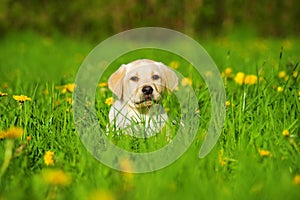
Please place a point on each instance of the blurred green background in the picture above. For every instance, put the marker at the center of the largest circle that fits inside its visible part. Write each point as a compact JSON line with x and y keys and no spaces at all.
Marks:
{"x":43,"y":43}
{"x":96,"y":20}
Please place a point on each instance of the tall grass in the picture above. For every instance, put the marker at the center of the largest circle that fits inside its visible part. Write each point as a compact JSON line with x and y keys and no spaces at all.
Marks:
{"x":253,"y":159}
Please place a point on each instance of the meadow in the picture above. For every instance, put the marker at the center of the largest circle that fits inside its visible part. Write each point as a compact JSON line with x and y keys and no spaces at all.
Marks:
{"x":256,"y":157}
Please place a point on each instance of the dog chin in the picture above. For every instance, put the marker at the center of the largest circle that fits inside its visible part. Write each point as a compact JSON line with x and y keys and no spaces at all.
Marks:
{"x":145,"y":104}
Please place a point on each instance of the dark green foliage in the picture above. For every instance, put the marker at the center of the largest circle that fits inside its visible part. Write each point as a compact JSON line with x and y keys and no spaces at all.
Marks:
{"x":98,"y":19}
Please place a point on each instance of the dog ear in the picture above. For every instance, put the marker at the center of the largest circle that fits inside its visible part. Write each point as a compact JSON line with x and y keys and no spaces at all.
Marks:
{"x":171,"y":79}
{"x":115,"y":81}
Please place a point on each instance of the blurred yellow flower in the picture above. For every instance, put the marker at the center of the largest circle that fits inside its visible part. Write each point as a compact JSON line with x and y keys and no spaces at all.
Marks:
{"x":264,"y":153}
{"x":282,"y":74}
{"x":285,"y":133}
{"x":28,"y":138}
{"x":186,"y":81}
{"x":279,"y":89}
{"x":3,"y":94}
{"x":297,"y":179}
{"x":127,"y":168}
{"x":109,"y":101}
{"x":12,"y":133}
{"x":69,"y":100}
{"x":66,"y":88}
{"x":239,"y":78}
{"x":250,"y":79}
{"x":126,"y":165}
{"x":48,"y":158}
{"x":228,"y":72}
{"x":286,"y":78}
{"x":103,"y":84}
{"x":45,"y":91}
{"x":227,"y":103}
{"x":21,"y":98}
{"x":56,"y":177}
{"x":295,"y":74}
{"x":102,"y":195}
{"x":174,"y":64}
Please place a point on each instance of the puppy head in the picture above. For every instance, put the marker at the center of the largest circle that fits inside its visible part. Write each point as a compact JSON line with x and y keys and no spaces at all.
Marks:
{"x":141,"y":82}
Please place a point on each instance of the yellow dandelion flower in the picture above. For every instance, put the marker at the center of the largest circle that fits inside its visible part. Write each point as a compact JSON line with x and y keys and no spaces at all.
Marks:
{"x":174,"y":64}
{"x":250,"y":79}
{"x":279,"y":89}
{"x":227,"y":103}
{"x":103,"y":84}
{"x":3,"y":94}
{"x":296,"y":179}
{"x":66,"y":88}
{"x":228,"y":72}
{"x":167,"y":110}
{"x":69,"y":100}
{"x":264,"y":153}
{"x":70,"y":87}
{"x":12,"y":133}
{"x":48,"y":158}
{"x":21,"y":98}
{"x":285,"y":133}
{"x":101,"y":194}
{"x":186,"y":81}
{"x":295,"y":74}
{"x":109,"y":101}
{"x":56,"y":177}
{"x":63,"y":90}
{"x":239,"y":78}
{"x":282,"y":74}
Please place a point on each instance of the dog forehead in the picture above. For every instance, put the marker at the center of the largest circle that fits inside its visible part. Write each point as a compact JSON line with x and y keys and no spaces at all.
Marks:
{"x":142,"y":66}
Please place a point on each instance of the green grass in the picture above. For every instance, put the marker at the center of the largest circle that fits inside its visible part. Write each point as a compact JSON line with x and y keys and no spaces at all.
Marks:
{"x":34,"y":66}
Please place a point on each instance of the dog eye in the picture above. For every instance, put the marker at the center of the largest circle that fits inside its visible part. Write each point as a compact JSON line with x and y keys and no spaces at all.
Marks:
{"x":155,"y":77}
{"x":134,"y":78}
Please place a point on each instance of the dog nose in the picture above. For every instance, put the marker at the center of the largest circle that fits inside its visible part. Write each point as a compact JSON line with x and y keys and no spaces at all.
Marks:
{"x":147,"y":90}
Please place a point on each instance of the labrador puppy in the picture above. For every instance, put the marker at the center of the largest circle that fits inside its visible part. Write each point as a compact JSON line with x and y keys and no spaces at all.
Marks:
{"x":139,"y":86}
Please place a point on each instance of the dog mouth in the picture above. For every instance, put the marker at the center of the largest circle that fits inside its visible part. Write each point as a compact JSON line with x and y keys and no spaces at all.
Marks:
{"x":147,"y":100}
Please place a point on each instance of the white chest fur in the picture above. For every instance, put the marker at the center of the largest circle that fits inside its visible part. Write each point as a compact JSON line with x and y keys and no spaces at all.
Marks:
{"x":138,"y":124}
